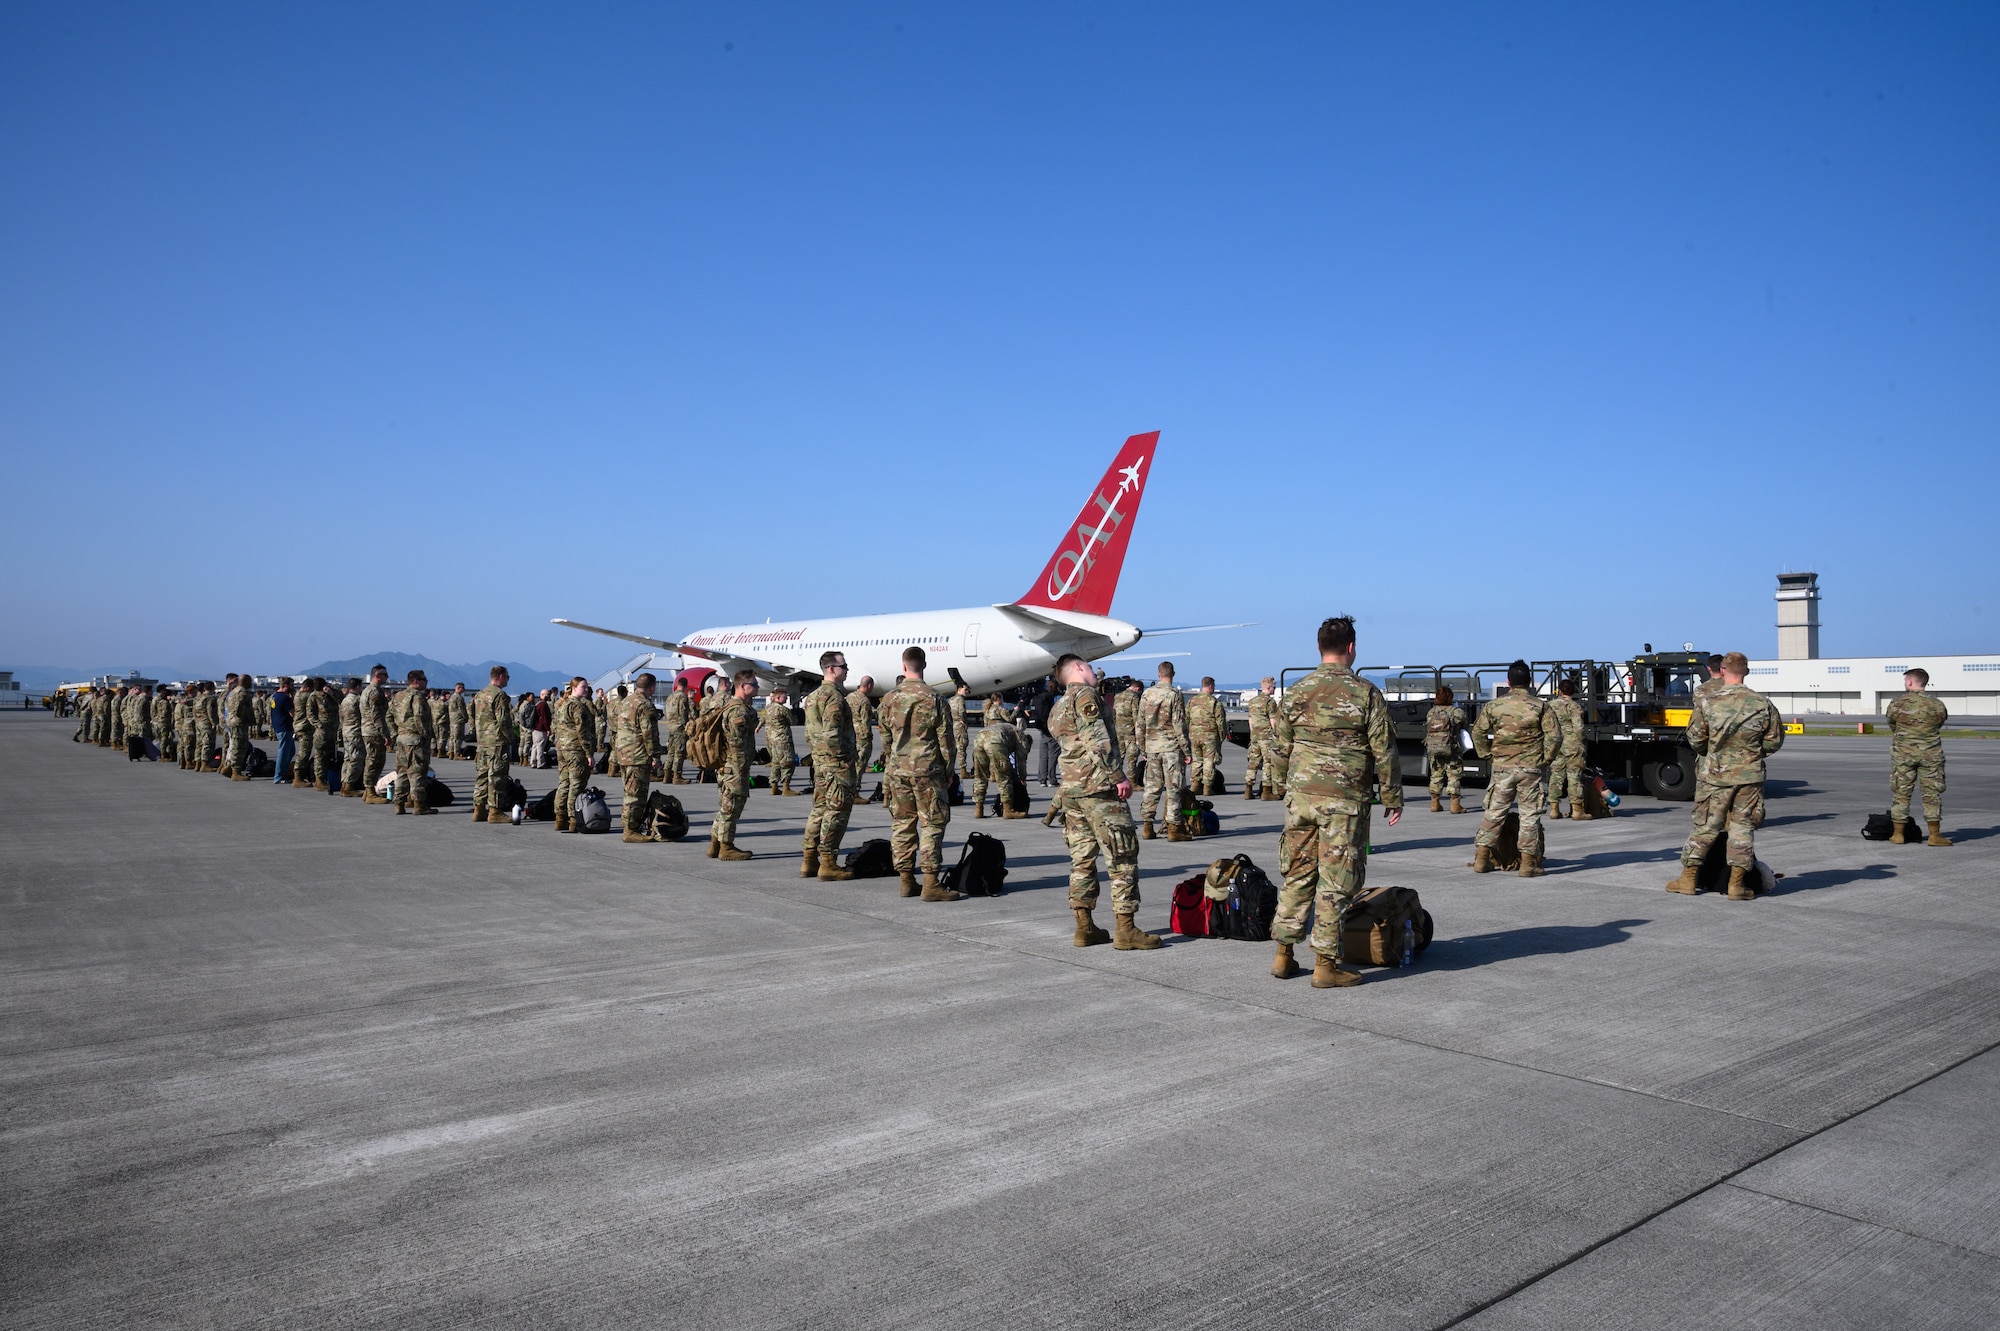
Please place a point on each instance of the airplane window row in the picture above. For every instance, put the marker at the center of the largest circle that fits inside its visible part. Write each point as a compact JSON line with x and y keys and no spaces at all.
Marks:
{"x":876,"y":642}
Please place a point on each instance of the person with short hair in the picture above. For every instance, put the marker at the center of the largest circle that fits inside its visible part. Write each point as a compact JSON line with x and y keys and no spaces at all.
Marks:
{"x":458,"y":711}
{"x":860,"y":704}
{"x":830,"y":741}
{"x":282,"y":729}
{"x":1097,"y":815}
{"x":1207,"y":727}
{"x":1125,"y":721}
{"x":1264,"y":765}
{"x":1566,"y":769}
{"x":732,"y":779}
{"x":961,"y":757}
{"x":679,"y":709}
{"x":574,"y":726}
{"x":1334,"y":730}
{"x":353,"y":747}
{"x":916,"y":752}
{"x":493,"y":740}
{"x":1444,"y":748}
{"x":1519,"y":735}
{"x":1733,"y":730}
{"x":241,"y":714}
{"x":992,"y":761}
{"x":1163,"y":738}
{"x":637,"y":755}
{"x":1916,"y":753}
{"x":374,"y":732}
{"x":778,"y":742}
{"x":410,"y":713}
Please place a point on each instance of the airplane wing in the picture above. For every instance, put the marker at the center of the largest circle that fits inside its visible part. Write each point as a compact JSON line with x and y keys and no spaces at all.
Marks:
{"x":1195,"y":628}
{"x":765,"y":669}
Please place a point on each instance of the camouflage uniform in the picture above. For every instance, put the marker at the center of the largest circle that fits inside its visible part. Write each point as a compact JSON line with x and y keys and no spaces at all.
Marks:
{"x":732,"y":779}
{"x":830,"y":740}
{"x":117,"y":714}
{"x":163,"y":724}
{"x":1916,"y":751}
{"x":573,"y":724}
{"x":1163,"y":738}
{"x":991,"y":757}
{"x":960,"y":756}
{"x":1519,"y":734}
{"x":207,"y":720}
{"x":241,"y":717}
{"x":493,"y":739}
{"x":184,"y":711}
{"x":1733,"y":729}
{"x":1333,"y":728}
{"x":410,"y":714}
{"x":374,"y":735}
{"x":863,"y":711}
{"x":1702,"y":690}
{"x":1267,"y":756}
{"x":1095,"y":820}
{"x":614,"y":707}
{"x":1566,"y":771}
{"x":263,"y":714}
{"x":674,"y":718}
{"x":137,"y":713}
{"x":777,"y":725}
{"x":916,"y":743}
{"x":1125,"y":721}
{"x":84,"y":716}
{"x":440,"y":725}
{"x":1444,"y":746}
{"x":305,"y":735}
{"x":638,"y":744}
{"x":456,"y":715}
{"x":353,"y":777}
{"x":1207,"y":727}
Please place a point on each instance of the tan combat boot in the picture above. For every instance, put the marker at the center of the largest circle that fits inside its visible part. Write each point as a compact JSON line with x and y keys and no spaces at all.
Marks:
{"x":907,"y":882}
{"x":1011,"y":812}
{"x":320,"y":785}
{"x":563,"y":823}
{"x":1087,"y":932}
{"x":402,"y":807}
{"x":933,"y":891}
{"x":628,"y":835}
{"x":1246,"y":793}
{"x":1436,"y":807}
{"x":1531,"y":866}
{"x":809,"y":864}
{"x":979,"y":810}
{"x":1896,"y":838}
{"x":831,"y":872}
{"x":1578,"y":815}
{"x":1287,"y":965}
{"x":1127,"y":936}
{"x":1146,"y":832}
{"x":239,"y":776}
{"x":713,"y":846}
{"x":1938,"y":838}
{"x":729,"y":850}
{"x":371,"y":797}
{"x":1456,"y":807}
{"x":478,"y":811}
{"x":1271,"y":793}
{"x":423,"y":808}
{"x":1739,"y":890}
{"x":1555,"y":809}
{"x":1327,"y":974}
{"x":1482,"y":859}
{"x":1177,"y":831}
{"x":1685,"y":884}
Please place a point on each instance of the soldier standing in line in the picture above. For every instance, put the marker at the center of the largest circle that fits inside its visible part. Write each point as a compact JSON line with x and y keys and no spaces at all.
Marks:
{"x":326,"y":735}
{"x":527,"y":746}
{"x":1916,"y":752}
{"x":109,"y":728}
{"x":118,"y":700}
{"x":961,"y":757}
{"x":263,"y":704}
{"x":1733,"y":729}
{"x":410,"y":713}
{"x":184,"y":725}
{"x":991,"y":761}
{"x":637,"y":754}
{"x":600,"y":712}
{"x":163,"y":722}
{"x":493,"y":740}
{"x":456,"y":714}
{"x":916,"y":751}
{"x":207,"y":724}
{"x":225,"y":700}
{"x":374,"y":732}
{"x":1566,"y":773}
{"x":860,"y":704}
{"x":242,"y":719}
{"x":305,"y":735}
{"x":614,"y":709}
{"x":1334,"y":729}
{"x":1264,"y":760}
{"x":1519,"y":734}
{"x":778,"y":740}
{"x":1125,"y":721}
{"x":1163,"y":738}
{"x":830,"y":740}
{"x":1702,"y":690}
{"x":354,"y":749}
{"x":440,"y":723}
{"x":1444,"y":747}
{"x":732,"y":779}
{"x":84,"y":734}
{"x":136,"y":712}
{"x":574,"y":727}
{"x":674,"y":717}
{"x":1097,"y":818}
{"x":1208,"y":726}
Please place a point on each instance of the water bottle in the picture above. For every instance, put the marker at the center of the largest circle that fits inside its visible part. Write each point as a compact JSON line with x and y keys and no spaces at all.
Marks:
{"x":1409,"y":944}
{"x":517,"y":815}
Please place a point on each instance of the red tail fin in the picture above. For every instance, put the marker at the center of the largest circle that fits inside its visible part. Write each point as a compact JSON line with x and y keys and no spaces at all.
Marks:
{"x":1083,"y":573}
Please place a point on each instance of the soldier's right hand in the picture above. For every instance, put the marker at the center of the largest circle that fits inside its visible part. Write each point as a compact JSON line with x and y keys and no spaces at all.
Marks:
{"x":1124,"y":789}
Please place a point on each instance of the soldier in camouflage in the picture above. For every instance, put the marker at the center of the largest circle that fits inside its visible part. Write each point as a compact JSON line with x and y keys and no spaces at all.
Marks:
{"x":305,"y":735}
{"x":374,"y":732}
{"x":162,"y":722}
{"x":440,"y":723}
{"x":1097,"y":818}
{"x":239,"y":713}
{"x":117,"y":715}
{"x":992,"y":760}
{"x":916,"y":751}
{"x":961,"y":755}
{"x":777,"y":727}
{"x":184,"y":726}
{"x":1266,"y":759}
{"x":1733,"y":730}
{"x":860,"y":704}
{"x":458,"y":712}
{"x":732,"y":779}
{"x":637,"y":753}
{"x":1566,"y":771}
{"x":1208,"y":727}
{"x":136,"y":710}
{"x":353,"y":776}
{"x":674,"y":718}
{"x":573,"y":725}
{"x":1163,"y":737}
{"x":1702,"y":690}
{"x":493,"y":744}
{"x":1444,"y":748}
{"x":1916,"y":753}
{"x":1519,"y":735}
{"x":1125,"y":724}
{"x":830,"y":741}
{"x":207,"y":724}
{"x":410,"y":716}
{"x":1333,"y":729}
{"x":326,"y":715}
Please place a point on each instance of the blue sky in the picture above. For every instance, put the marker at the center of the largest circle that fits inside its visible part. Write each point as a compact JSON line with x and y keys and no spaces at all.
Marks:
{"x":1536,"y":330}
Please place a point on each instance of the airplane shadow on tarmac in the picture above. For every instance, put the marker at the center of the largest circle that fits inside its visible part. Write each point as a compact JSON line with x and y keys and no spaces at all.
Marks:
{"x":1542,"y":940}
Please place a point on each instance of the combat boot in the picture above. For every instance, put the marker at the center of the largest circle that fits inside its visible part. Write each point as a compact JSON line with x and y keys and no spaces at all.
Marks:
{"x":1013,"y":813}
{"x":1531,"y":866}
{"x":1482,"y":859}
{"x":1555,"y":810}
{"x":714,"y":846}
{"x":907,"y":882}
{"x":1273,"y":793}
{"x":1146,"y":832}
{"x":728,"y":850}
{"x":298,"y":783}
{"x":1435,"y":806}
{"x":1579,"y":816}
{"x":1456,"y":807}
{"x":1740,"y":890}
{"x":372,"y":797}
{"x":1087,"y":932}
{"x":1329,"y":974}
{"x":239,"y":776}
{"x":1287,"y":965}
{"x":1127,"y":936}
{"x":563,"y":821}
{"x":934,"y":891}
{"x":678,"y":780}
{"x":1685,"y":884}
{"x":1177,"y":831}
{"x":1246,"y":793}
{"x":1896,"y":838}
{"x":401,"y":808}
{"x":980,"y":810}
{"x":809,"y":864}
{"x":629,"y":835}
{"x":831,"y":872}
{"x":423,"y":808}
{"x":1938,"y":838}
{"x":478,"y":811}
{"x":225,"y":769}
{"x":320,"y":785}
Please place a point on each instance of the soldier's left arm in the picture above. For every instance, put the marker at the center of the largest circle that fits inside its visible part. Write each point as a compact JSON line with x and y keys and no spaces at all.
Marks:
{"x":1388,"y":758}
{"x":1697,"y":729}
{"x":1281,"y":728}
{"x":1774,"y":729}
{"x":1552,"y":735}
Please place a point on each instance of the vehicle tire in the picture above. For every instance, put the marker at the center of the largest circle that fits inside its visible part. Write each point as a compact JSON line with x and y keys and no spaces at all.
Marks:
{"x":1671,"y":779}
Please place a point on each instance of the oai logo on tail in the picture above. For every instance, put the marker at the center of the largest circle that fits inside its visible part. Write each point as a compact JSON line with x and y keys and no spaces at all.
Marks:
{"x":1082,"y":575}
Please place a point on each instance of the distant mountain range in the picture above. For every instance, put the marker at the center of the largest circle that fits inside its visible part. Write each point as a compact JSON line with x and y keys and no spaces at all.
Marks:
{"x":441,"y":676}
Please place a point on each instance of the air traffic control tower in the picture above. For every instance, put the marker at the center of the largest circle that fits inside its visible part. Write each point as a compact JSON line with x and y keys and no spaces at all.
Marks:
{"x":1798,"y":616}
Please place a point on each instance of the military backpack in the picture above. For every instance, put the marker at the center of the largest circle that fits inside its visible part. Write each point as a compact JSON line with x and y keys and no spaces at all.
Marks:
{"x":706,"y":744}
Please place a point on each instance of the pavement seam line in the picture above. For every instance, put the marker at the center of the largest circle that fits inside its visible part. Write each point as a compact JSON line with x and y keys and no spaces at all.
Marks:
{"x":1861,"y":1220}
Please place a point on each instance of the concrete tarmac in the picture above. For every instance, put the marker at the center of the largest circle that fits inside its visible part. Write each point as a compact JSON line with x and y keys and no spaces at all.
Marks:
{"x":274,"y":1058}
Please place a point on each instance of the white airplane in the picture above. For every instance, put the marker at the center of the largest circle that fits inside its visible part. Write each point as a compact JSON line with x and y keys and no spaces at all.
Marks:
{"x":989,"y":647}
